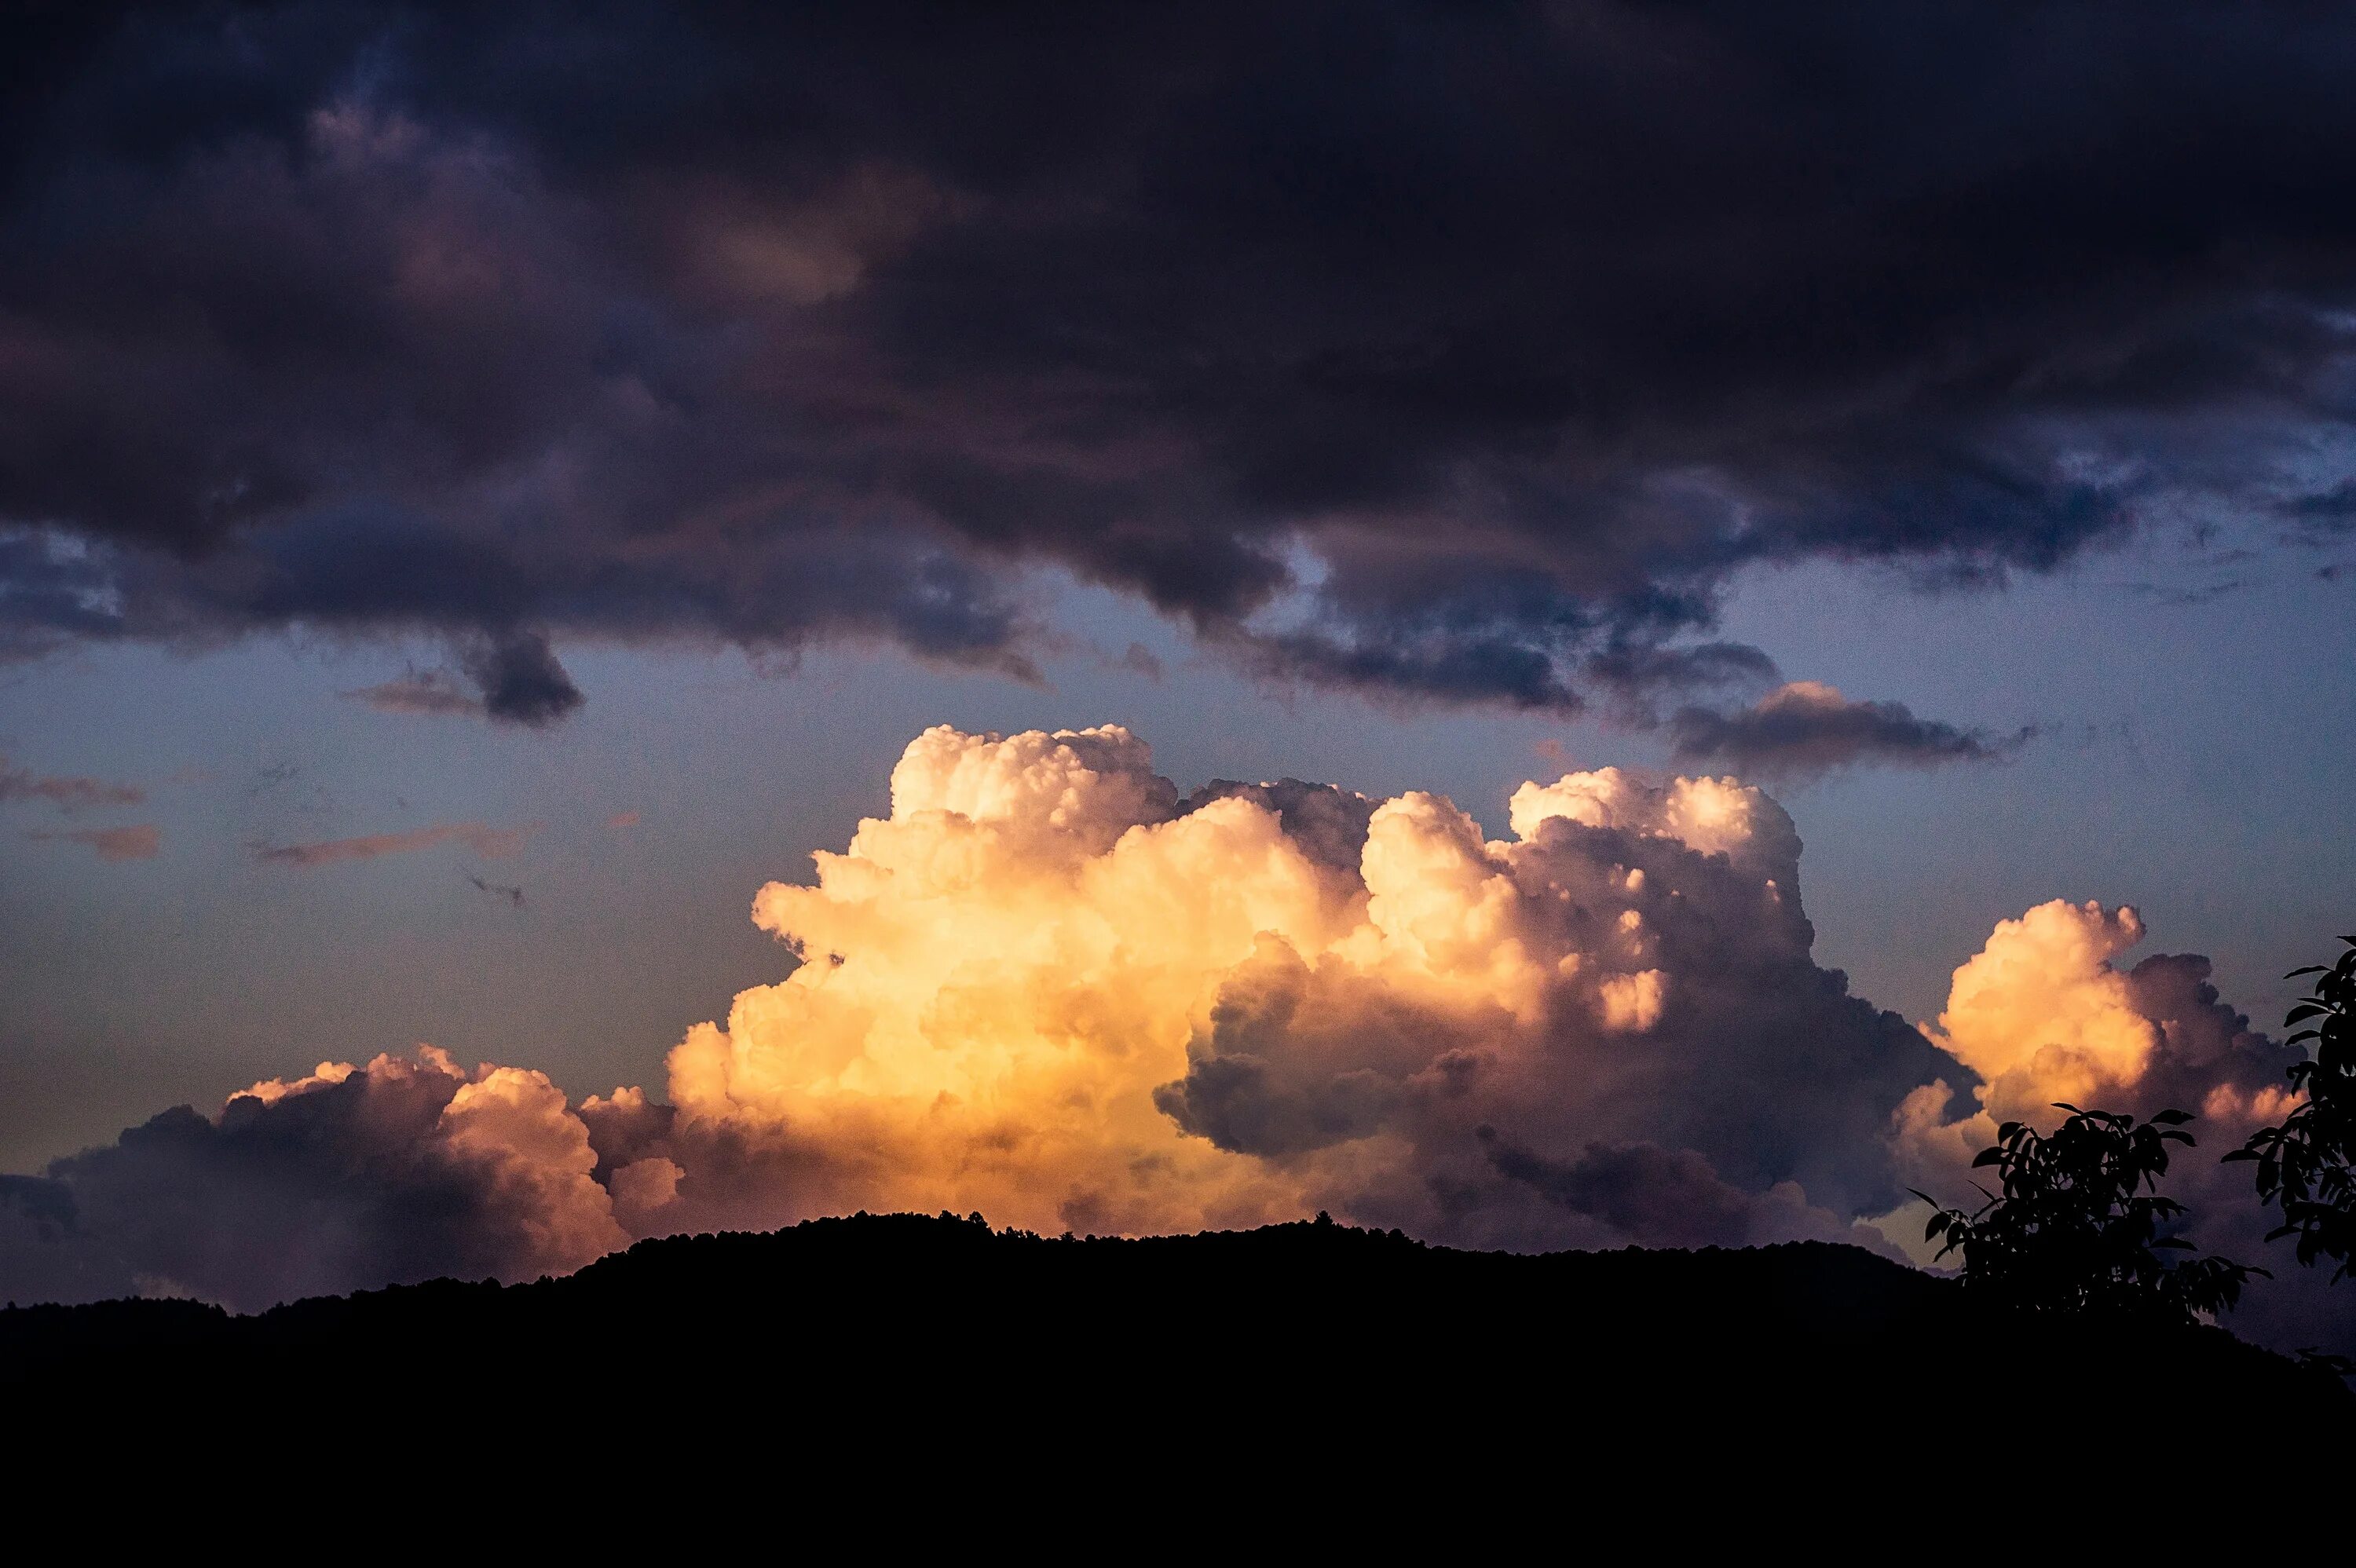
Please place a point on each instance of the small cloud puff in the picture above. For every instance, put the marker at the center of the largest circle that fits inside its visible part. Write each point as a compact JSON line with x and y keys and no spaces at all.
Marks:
{"x":514,"y":677}
{"x":1805,"y":729}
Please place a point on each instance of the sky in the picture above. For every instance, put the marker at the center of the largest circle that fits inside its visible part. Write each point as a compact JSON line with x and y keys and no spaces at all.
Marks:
{"x":485,"y":497}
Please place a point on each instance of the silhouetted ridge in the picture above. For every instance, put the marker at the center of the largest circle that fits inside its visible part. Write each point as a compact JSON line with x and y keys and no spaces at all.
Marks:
{"x":848,"y":1336}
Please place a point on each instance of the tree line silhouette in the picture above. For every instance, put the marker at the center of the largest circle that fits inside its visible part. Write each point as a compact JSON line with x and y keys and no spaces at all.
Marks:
{"x":2078,"y":1224}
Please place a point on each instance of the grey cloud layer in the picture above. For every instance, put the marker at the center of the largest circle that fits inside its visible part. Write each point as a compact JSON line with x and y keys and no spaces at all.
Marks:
{"x":1526,"y":325}
{"x":386,"y":1175}
{"x":1805,"y":729}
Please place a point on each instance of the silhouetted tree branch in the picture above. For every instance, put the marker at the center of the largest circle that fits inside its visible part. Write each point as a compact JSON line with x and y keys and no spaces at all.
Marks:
{"x":2304,"y":1164}
{"x":2079,"y":1224}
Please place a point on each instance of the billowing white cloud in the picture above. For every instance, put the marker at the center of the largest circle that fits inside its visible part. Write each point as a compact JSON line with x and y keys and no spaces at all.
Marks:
{"x":1049,"y":987}
{"x":1046,"y":988}
{"x":2041,"y":1014}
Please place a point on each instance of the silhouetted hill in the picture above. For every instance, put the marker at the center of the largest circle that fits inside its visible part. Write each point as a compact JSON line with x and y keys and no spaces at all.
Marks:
{"x":932,"y":1343}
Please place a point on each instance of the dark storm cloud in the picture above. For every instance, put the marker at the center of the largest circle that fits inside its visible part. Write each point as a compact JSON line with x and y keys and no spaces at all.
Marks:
{"x":2334,"y":508}
{"x":1248,"y":1105}
{"x":1665,"y":1197}
{"x":1806,"y":728}
{"x":45,"y":1253}
{"x":1640,"y":674}
{"x":1456,"y":354}
{"x":521,"y":681}
{"x":1659,"y":1196}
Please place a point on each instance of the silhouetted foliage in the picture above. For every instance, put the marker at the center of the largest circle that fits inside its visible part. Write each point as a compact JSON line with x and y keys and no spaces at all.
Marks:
{"x":2327,"y":1363}
{"x":2303,"y":1165}
{"x":2080,"y":1224}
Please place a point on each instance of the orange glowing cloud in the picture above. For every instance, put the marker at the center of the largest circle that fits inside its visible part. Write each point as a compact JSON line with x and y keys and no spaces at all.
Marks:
{"x":1047,"y":988}
{"x":2041,"y":1016}
{"x":68,"y":794}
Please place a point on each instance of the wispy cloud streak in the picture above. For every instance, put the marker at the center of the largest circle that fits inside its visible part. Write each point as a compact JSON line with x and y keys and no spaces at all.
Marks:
{"x":140,"y":843}
{"x":490,"y":843}
{"x":67,"y":795}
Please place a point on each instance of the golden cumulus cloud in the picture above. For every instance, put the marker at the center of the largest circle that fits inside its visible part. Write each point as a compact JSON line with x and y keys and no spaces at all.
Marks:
{"x":1047,"y":986}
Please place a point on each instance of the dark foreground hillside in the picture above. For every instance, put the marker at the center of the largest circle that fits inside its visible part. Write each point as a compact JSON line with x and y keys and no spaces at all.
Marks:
{"x":933,"y":1348}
